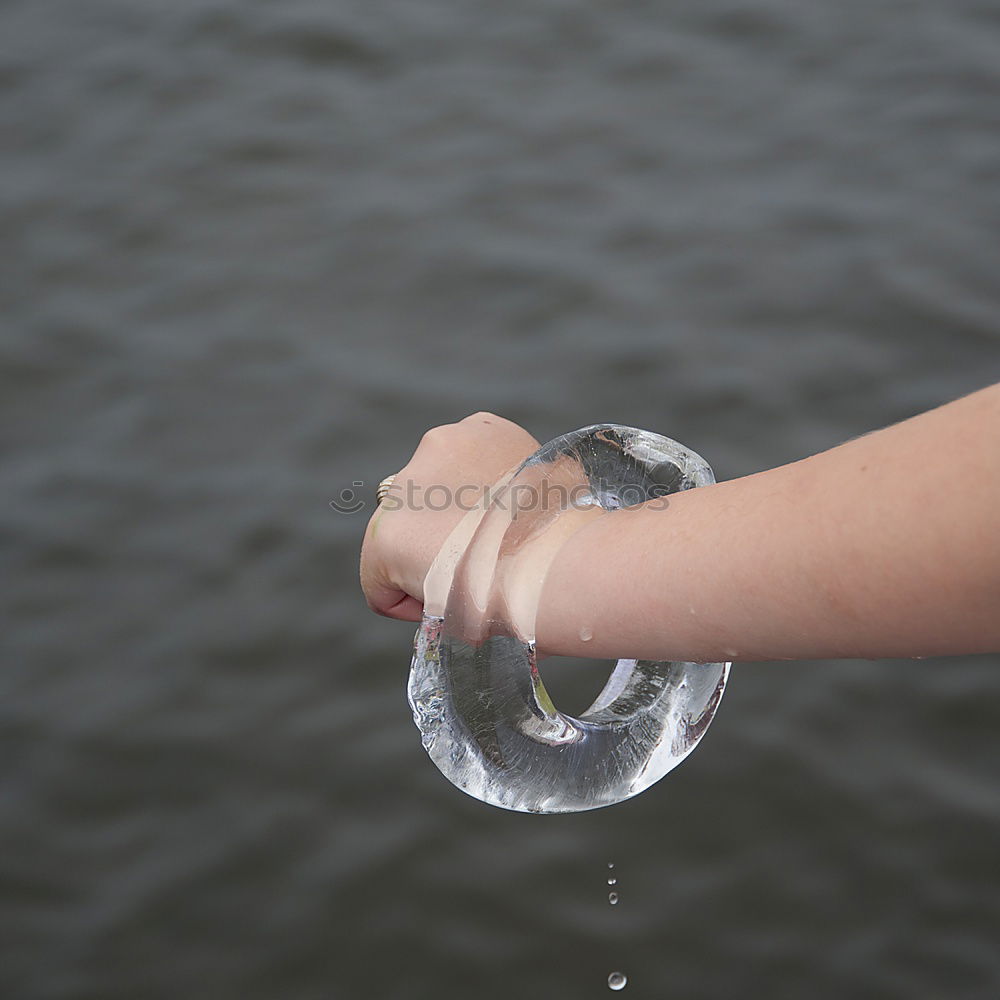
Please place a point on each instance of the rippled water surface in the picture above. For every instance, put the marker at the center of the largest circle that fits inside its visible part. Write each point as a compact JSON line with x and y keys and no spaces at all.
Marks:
{"x":250,"y":251}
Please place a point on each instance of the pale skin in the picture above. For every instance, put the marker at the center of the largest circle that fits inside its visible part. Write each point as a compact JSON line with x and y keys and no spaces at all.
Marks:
{"x":885,"y":546}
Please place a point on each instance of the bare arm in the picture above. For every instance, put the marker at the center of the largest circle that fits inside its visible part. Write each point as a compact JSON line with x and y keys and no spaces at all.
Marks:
{"x":888,"y":545}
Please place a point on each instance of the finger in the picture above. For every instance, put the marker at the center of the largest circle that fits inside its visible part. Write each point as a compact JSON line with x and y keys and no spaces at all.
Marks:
{"x":389,"y":601}
{"x":407,"y":609}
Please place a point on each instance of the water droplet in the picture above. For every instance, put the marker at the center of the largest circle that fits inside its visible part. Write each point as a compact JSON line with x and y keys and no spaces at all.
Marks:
{"x":611,"y":864}
{"x":617,"y":981}
{"x":613,"y":898}
{"x":612,"y":881}
{"x":586,"y":633}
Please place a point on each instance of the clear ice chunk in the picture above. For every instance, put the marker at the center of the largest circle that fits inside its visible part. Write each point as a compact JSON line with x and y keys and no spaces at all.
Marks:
{"x":478,"y":700}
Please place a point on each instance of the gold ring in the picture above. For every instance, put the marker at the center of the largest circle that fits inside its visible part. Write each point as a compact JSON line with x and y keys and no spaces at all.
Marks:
{"x":383,"y":488}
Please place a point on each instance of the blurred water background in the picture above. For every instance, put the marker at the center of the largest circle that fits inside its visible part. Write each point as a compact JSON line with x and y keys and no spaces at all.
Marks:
{"x":251,"y":250}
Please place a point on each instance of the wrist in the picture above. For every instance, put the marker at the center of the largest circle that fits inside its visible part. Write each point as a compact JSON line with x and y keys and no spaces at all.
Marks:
{"x":522,"y":573}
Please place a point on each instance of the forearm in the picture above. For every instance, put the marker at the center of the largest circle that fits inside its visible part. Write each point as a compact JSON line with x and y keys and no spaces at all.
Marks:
{"x":888,"y":545}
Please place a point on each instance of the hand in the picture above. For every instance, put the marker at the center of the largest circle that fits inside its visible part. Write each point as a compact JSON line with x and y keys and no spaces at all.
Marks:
{"x":408,"y":528}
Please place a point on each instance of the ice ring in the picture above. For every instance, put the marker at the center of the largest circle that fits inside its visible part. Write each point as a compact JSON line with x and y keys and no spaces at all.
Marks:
{"x":478,"y":700}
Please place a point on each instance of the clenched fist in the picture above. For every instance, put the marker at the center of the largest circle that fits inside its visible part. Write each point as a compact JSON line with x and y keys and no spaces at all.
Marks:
{"x":445,"y":478}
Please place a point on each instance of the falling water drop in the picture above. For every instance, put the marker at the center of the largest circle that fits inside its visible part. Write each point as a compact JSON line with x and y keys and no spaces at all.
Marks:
{"x":612,"y":881}
{"x":611,"y":864}
{"x":613,"y":898}
{"x":617,"y":981}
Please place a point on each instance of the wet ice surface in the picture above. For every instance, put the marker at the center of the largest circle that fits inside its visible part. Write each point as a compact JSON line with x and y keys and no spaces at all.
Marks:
{"x":477,"y":697}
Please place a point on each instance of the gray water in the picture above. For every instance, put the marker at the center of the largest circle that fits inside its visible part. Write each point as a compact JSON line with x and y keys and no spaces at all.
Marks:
{"x":250,"y":252}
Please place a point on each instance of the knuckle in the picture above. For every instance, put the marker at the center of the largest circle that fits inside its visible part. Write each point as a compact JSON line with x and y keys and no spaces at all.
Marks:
{"x":480,"y":416}
{"x":435,"y":434}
